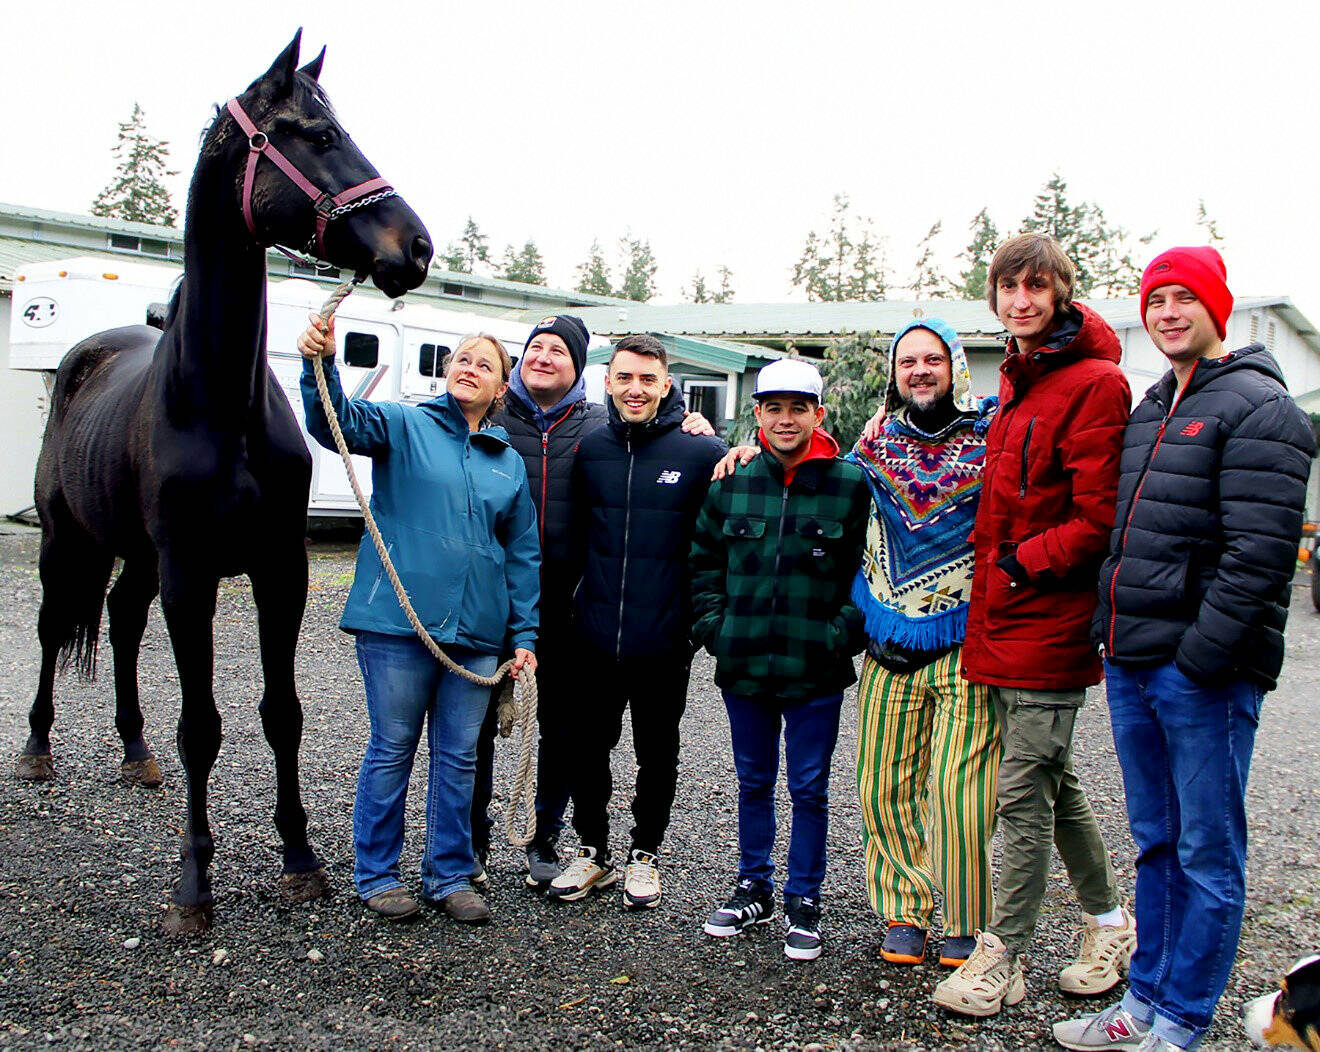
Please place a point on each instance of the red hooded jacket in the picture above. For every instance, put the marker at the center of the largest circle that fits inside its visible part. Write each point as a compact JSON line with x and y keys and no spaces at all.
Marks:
{"x":1047,"y":508}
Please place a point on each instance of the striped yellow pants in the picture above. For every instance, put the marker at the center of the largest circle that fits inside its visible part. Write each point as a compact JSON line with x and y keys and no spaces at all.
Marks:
{"x":928,"y":753}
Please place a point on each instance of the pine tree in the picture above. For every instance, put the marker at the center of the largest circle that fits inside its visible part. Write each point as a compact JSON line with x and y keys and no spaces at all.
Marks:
{"x":1098,"y":250}
{"x":594,"y":274}
{"x":928,"y":282}
{"x":847,"y":264}
{"x":1209,"y":225}
{"x":639,"y":270}
{"x":138,"y":193}
{"x":700,"y":292}
{"x":471,"y":248}
{"x":978,"y":253}
{"x":526,"y":265}
{"x":855,"y":370}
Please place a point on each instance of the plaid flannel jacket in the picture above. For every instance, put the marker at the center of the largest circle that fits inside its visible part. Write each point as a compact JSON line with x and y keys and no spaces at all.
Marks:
{"x":772,"y":571}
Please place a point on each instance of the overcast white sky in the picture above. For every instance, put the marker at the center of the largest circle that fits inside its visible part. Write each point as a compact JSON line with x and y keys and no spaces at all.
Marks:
{"x":720,"y":131}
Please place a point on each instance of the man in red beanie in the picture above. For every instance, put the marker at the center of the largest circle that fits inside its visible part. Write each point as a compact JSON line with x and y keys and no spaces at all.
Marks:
{"x":1193,"y":599}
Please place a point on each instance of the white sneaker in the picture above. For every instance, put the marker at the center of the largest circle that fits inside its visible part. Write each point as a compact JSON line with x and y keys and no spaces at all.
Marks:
{"x":583,"y":875}
{"x":1106,"y":951}
{"x":641,"y":881}
{"x":989,"y":979}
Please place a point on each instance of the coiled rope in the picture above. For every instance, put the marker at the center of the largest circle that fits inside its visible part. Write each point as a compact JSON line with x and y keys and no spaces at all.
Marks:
{"x":522,"y":792}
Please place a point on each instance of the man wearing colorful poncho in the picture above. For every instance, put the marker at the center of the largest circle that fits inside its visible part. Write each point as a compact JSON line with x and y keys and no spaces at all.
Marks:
{"x":928,"y":745}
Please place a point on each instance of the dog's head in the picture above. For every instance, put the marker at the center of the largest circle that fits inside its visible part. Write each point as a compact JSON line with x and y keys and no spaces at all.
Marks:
{"x":1290,"y":1018}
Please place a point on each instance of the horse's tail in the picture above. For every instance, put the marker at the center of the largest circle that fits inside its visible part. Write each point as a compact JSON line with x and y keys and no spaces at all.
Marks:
{"x":75,"y":572}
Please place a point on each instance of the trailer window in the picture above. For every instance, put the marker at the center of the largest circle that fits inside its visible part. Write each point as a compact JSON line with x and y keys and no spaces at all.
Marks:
{"x":361,"y":349}
{"x":430,"y":359}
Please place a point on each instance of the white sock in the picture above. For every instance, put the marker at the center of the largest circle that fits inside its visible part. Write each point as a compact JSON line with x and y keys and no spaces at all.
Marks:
{"x":1113,"y":919}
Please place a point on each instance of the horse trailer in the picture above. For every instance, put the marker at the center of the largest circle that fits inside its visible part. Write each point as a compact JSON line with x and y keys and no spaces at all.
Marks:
{"x":385,"y":350}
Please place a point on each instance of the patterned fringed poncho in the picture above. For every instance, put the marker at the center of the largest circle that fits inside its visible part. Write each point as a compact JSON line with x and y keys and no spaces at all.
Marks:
{"x":916,"y":575}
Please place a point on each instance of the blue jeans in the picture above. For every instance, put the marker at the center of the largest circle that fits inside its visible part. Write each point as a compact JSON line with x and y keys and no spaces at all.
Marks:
{"x":810,"y":730}
{"x":1185,"y":750}
{"x":405,"y":686}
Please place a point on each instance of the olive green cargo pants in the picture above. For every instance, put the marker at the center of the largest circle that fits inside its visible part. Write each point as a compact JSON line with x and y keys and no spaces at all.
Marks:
{"x":1041,"y":803}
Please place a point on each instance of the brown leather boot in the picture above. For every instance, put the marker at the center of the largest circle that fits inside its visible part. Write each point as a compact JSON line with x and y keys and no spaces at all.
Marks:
{"x":466,"y":907}
{"x":395,"y":904}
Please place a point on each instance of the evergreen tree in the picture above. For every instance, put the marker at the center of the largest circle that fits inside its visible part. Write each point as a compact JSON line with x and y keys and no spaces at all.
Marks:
{"x":1098,"y":250}
{"x":929,"y":282}
{"x":978,"y":253}
{"x":855,"y":370}
{"x":138,"y":192}
{"x":639,"y":270}
{"x":594,"y":274}
{"x":526,"y":265}
{"x":847,"y":264}
{"x":700,"y":292}
{"x":471,"y":248}
{"x":1211,"y":228}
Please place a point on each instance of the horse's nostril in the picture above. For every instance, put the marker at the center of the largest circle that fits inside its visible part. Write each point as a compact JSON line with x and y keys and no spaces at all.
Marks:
{"x":421,"y":251}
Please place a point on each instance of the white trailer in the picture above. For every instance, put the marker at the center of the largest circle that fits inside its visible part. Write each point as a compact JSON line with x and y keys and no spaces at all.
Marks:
{"x":386,"y":351}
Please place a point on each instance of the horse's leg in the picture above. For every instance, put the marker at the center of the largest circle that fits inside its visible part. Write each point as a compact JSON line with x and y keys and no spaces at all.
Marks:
{"x":279,"y":588}
{"x":74,"y":573}
{"x":130,"y":600}
{"x":188,"y":598}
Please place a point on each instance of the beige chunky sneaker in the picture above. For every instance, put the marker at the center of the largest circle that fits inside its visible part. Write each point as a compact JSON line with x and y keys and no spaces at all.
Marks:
{"x":1106,"y":951}
{"x":989,"y":979}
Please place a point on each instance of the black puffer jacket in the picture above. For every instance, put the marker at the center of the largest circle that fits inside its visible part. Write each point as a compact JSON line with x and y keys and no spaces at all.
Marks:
{"x":1209,"y":514}
{"x":636,"y":494}
{"x":549,"y":458}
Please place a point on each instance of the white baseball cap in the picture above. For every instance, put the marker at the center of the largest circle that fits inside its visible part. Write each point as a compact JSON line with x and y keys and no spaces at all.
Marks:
{"x":789,"y":376}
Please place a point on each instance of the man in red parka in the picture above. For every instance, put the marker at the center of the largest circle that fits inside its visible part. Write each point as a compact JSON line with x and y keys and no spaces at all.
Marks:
{"x":1047,"y":506}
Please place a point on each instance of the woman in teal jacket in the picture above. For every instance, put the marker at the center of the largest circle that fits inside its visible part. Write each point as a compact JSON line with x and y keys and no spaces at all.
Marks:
{"x":450,"y":497}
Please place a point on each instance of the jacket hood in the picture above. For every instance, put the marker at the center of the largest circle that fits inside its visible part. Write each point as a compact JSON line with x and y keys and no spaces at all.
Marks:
{"x":1082,"y":333}
{"x":1251,"y":358}
{"x":544,"y":417}
{"x":669,"y":415}
{"x":446,"y":412}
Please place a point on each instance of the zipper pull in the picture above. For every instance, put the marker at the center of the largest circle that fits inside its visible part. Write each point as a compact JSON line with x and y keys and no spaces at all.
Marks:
{"x":545,"y":440}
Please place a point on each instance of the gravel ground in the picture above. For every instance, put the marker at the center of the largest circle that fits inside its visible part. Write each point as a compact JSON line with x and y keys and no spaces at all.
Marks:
{"x":86,"y":864}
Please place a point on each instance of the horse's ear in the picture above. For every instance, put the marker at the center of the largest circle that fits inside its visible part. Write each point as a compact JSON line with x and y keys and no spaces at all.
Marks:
{"x":280,"y":75}
{"x":313,"y":68}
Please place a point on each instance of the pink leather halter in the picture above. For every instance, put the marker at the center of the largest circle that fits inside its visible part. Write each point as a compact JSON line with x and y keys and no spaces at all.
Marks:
{"x":327,"y":207}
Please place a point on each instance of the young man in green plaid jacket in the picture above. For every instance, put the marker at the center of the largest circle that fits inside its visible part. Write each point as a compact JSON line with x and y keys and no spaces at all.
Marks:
{"x":773,"y":558}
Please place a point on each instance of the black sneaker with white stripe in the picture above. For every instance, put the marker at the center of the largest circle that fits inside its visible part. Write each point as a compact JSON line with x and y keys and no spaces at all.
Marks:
{"x":802,"y":943}
{"x":750,"y":904}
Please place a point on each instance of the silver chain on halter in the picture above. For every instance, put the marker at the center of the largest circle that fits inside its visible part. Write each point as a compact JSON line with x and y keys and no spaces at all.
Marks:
{"x":343,"y":210}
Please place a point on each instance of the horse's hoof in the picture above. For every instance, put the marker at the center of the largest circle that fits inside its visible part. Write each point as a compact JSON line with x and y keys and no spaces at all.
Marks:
{"x":145,"y":773}
{"x":186,"y":920}
{"x":303,"y":887}
{"x":35,"y":767}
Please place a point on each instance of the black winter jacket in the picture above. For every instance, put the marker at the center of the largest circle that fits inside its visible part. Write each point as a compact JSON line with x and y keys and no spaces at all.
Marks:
{"x":549,"y":459}
{"x":1210,"y":503}
{"x":636,"y":493}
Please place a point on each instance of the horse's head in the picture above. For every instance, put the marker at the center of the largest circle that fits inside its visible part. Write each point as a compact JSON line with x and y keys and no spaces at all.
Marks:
{"x":375,"y":233}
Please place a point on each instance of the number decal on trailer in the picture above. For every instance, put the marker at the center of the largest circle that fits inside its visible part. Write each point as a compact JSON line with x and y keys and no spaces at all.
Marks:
{"x":39,"y":312}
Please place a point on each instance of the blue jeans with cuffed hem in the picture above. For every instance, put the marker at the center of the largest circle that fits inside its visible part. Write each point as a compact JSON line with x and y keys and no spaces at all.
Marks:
{"x":810,"y":730}
{"x":1185,"y":752}
{"x":406,"y":686}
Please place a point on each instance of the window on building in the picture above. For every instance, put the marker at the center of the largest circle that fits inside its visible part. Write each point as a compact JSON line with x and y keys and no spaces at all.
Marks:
{"x":124,"y":242}
{"x":151,"y":247}
{"x":707,"y":397}
{"x":310,"y":270}
{"x":451,"y":288}
{"x":471,"y":293}
{"x":361,"y":349}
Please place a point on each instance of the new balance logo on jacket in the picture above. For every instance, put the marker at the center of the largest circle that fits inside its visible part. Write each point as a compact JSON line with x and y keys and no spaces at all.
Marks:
{"x":669,"y":478}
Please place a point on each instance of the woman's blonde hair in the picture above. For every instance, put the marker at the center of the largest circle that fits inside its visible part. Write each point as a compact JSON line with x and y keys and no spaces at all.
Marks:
{"x":506,"y":366}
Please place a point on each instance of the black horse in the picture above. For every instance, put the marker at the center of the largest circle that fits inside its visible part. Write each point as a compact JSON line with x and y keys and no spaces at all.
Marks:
{"x":178,"y":453}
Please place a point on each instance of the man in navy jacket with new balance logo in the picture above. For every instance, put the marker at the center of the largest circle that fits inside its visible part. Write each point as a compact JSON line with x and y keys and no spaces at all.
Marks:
{"x":637,"y":486}
{"x":1193,"y":600}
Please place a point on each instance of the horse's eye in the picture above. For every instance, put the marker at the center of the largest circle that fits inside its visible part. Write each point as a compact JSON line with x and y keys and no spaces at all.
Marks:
{"x":323,"y":140}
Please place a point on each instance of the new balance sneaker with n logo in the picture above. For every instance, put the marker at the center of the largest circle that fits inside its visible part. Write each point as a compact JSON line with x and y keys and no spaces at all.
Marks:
{"x":750,"y":904}
{"x":584,"y":874}
{"x":1112,"y":1028}
{"x":641,"y":881}
{"x":802,"y":941}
